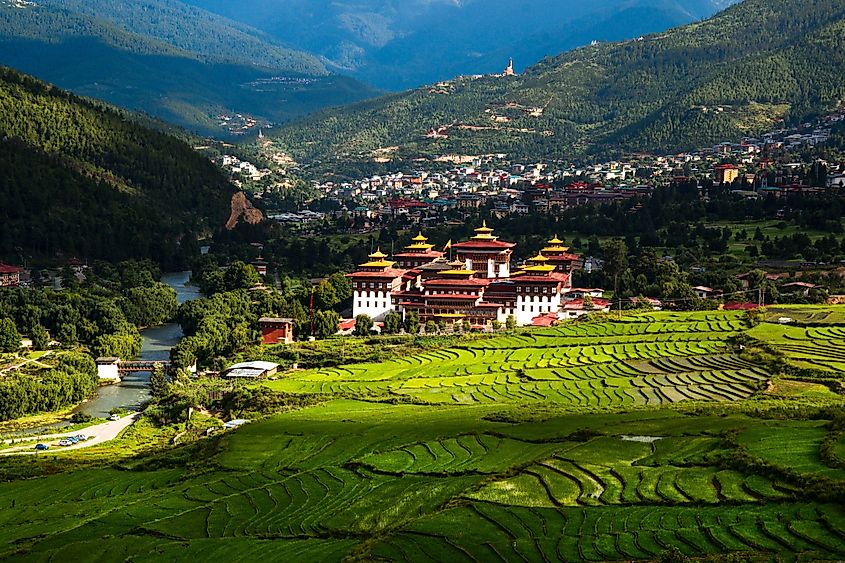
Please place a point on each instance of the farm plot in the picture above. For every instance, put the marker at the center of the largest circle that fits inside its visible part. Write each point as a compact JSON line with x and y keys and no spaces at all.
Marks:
{"x":484,"y":532}
{"x":644,"y":360}
{"x":349,"y":479}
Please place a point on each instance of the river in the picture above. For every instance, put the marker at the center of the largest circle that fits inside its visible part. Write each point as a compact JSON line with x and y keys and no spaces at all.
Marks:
{"x":134,"y":389}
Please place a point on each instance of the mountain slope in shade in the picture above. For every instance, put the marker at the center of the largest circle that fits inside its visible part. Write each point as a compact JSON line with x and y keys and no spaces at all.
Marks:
{"x":169,"y":60}
{"x":741,"y":72}
{"x":403,"y":44}
{"x":82,"y":179}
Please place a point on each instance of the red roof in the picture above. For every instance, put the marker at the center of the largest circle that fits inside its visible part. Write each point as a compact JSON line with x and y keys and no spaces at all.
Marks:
{"x":457,"y":283}
{"x":484,"y":245}
{"x":553,"y":278}
{"x":578,"y":304}
{"x":391,"y":274}
{"x":740,"y":306}
{"x":432,"y":254}
{"x":347,"y":324}
{"x":549,"y":319}
{"x":451,"y":296}
{"x":6,"y":269}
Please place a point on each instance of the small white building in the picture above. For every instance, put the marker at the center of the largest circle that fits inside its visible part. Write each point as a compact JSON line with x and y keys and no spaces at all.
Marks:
{"x":108,"y":368}
{"x":251,"y":370}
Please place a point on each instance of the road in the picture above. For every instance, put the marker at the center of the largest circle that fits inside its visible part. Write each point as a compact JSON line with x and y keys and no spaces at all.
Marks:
{"x":96,"y":435}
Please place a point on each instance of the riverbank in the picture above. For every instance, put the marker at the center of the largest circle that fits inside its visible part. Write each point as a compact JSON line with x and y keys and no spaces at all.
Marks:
{"x":132,"y":391}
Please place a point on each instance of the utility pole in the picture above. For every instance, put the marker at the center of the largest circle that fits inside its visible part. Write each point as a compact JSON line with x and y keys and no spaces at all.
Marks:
{"x":311,"y":310}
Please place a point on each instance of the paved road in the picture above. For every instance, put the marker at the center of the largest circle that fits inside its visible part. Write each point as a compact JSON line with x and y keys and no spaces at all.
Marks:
{"x":96,"y":435}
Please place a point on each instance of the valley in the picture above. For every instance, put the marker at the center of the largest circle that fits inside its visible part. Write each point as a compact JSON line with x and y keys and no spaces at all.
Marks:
{"x":455,"y":280}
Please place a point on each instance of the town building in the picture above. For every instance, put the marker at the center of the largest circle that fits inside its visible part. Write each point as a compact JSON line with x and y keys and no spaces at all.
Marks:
{"x":486,"y":254}
{"x":726,"y":173}
{"x":276,"y":330}
{"x":417,"y":254}
{"x":559,"y":256}
{"x":10,"y":276}
{"x":373,"y":284}
{"x":539,"y":289}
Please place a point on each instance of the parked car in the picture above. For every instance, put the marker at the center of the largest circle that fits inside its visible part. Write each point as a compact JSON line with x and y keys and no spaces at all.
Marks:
{"x":41,"y":447}
{"x":72,"y":439}
{"x":65,"y":442}
{"x":81,"y":437}
{"x":114,"y":417}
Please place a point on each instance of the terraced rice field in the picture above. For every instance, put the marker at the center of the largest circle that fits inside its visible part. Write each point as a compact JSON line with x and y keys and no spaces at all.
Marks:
{"x":564,"y":444}
{"x":435,"y":483}
{"x":644,"y":360}
{"x":818,"y":347}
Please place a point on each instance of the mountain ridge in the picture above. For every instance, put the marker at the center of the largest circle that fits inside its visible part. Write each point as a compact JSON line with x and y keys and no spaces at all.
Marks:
{"x":85,"y":179}
{"x":402,"y":45}
{"x":740,"y":72}
{"x":94,"y":57}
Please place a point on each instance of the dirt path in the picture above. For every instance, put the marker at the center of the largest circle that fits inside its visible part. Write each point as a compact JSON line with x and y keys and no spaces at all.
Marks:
{"x":96,"y":435}
{"x":25,"y":361}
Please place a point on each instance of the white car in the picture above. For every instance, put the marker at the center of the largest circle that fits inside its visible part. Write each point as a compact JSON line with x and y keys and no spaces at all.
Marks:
{"x":65,"y":442}
{"x":114,"y":417}
{"x":81,"y":437}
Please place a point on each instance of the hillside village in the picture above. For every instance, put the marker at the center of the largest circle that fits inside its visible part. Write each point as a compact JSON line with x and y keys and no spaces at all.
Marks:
{"x":774,"y":163}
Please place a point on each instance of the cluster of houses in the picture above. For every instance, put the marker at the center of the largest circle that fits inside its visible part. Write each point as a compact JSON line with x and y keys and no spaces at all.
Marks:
{"x":241,"y":169}
{"x":755,"y":166}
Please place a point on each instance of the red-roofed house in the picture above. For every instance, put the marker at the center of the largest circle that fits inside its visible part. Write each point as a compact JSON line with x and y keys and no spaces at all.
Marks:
{"x":803,"y":288}
{"x":549,"y":319}
{"x":10,"y":276}
{"x":579,"y":308}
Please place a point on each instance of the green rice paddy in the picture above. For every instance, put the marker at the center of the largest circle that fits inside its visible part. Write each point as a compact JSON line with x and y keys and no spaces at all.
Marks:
{"x":611,"y":441}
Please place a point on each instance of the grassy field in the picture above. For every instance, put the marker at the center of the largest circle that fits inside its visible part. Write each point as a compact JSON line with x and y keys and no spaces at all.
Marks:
{"x":615,"y":440}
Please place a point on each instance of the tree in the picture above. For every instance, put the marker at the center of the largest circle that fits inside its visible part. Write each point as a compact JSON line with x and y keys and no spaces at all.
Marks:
{"x":392,"y":323}
{"x":325,"y":324}
{"x":615,"y":261}
{"x":325,"y":296}
{"x":241,"y":276}
{"x":430,"y":327}
{"x":466,"y":325}
{"x":363,"y":325}
{"x":40,"y":338}
{"x":412,"y":322}
{"x":158,"y":382}
{"x":10,"y":339}
{"x":510,"y":323}
{"x":342,"y":286}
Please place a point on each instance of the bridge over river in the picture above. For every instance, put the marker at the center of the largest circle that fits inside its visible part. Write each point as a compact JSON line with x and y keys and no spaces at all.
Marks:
{"x":141,"y":365}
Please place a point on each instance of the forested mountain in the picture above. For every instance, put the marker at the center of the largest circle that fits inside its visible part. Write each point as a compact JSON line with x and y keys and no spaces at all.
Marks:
{"x":741,"y":72}
{"x":81,"y":179}
{"x":168,"y":59}
{"x":396,"y":45}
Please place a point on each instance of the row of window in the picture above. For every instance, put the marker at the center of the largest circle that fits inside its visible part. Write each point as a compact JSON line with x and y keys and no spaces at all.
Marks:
{"x":531,"y":309}
{"x":372,"y":285}
{"x":359,"y":304}
{"x":545,"y":290}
